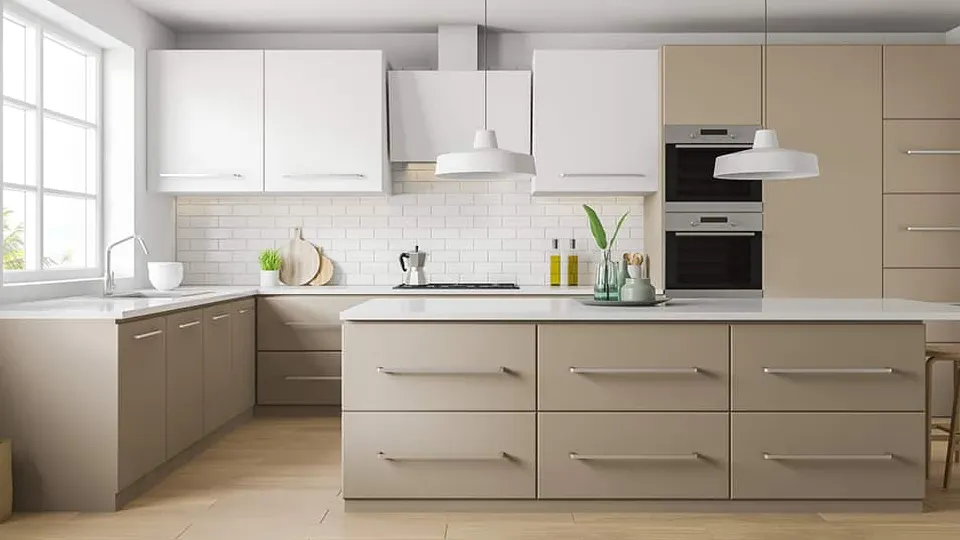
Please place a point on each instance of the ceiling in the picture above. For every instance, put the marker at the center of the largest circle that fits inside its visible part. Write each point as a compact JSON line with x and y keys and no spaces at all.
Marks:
{"x":648,"y":16}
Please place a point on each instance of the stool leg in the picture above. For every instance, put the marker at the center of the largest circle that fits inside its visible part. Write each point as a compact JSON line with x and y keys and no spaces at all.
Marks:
{"x":952,"y":438}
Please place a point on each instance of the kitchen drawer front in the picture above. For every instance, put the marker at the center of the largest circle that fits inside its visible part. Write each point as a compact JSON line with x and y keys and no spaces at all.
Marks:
{"x":933,"y":166}
{"x":298,"y":378}
{"x":928,"y":285}
{"x":921,"y":231}
{"x":622,"y":367}
{"x":633,"y":455}
{"x":828,"y":367}
{"x":827,"y":456}
{"x":437,"y":455}
{"x":921,"y":81}
{"x":439,"y":367}
{"x":302,"y":323}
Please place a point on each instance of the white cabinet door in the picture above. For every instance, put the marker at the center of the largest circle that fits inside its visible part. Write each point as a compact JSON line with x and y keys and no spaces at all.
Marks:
{"x":325,"y":122}
{"x":596,"y":122}
{"x":435,"y":112}
{"x":205,"y":121}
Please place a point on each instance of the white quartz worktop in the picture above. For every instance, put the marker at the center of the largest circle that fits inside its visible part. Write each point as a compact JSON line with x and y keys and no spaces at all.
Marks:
{"x":120,"y":308}
{"x":568,"y":309}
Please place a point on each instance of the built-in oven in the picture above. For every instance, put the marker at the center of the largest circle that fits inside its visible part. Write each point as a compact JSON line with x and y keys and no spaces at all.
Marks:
{"x":713,"y":254}
{"x":689,"y":158}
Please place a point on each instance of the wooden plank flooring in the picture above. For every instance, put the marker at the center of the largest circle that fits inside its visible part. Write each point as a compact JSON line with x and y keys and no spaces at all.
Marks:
{"x":278,"y":479}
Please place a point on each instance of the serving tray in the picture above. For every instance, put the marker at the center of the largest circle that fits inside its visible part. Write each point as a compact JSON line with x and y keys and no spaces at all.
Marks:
{"x":658,"y":301}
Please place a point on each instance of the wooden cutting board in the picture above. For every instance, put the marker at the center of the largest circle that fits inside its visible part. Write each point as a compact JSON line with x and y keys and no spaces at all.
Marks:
{"x":301,"y":261}
{"x":326,"y":271}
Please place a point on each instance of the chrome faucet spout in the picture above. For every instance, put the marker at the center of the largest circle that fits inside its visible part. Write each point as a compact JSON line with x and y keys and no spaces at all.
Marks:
{"x":109,"y":284}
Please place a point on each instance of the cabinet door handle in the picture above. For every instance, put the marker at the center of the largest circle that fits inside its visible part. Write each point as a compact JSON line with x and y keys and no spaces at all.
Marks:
{"x":306,"y":176}
{"x":634,"y":371}
{"x":827,"y":457}
{"x":913,"y":228}
{"x":315,"y":326}
{"x":829,"y":371}
{"x":244,"y":311}
{"x":478,"y":457}
{"x":219,"y":317}
{"x":310,"y":378}
{"x":635,"y":457}
{"x":499,"y":370}
{"x":602,"y":175}
{"x":148,"y":334}
{"x":933,"y":152}
{"x":188,"y":324}
{"x":201,"y":175}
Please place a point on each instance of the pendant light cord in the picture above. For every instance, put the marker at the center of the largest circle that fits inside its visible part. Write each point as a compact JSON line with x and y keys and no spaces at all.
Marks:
{"x":764,"y":52}
{"x":485,"y":63}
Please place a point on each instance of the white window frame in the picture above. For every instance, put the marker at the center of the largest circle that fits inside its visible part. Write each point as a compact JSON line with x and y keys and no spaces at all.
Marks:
{"x":44,"y":28}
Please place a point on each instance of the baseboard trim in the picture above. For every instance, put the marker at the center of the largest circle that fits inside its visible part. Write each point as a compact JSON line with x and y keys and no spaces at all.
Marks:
{"x":297,"y":410}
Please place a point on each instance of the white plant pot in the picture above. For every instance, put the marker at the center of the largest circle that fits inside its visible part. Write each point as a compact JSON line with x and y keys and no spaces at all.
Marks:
{"x":269,"y":278}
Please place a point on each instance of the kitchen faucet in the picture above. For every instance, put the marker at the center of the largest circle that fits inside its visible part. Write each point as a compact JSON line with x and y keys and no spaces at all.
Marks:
{"x":108,"y":282}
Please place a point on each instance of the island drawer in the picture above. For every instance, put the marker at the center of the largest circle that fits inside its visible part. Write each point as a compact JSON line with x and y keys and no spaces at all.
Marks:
{"x":439,"y":367}
{"x":633,"y":455}
{"x":928,"y":285}
{"x":298,"y":378}
{"x":624,"y":367}
{"x":828,"y":367}
{"x":437,"y":455}
{"x":828,"y":456}
{"x":302,"y":323}
{"x":921,"y":231}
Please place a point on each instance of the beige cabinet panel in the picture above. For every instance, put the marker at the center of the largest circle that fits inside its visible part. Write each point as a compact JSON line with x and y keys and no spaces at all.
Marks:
{"x":921,"y":81}
{"x":933,"y":164}
{"x":217,"y":366}
{"x":244,"y":350}
{"x":302,"y":323}
{"x":298,"y":378}
{"x":184,"y":380}
{"x":711,"y":84}
{"x":439,"y":366}
{"x":439,"y":455}
{"x":823,"y":236}
{"x":921,"y":231}
{"x":142,"y":435}
{"x":620,"y":367}
{"x":928,"y":285}
{"x":827,"y":456}
{"x":827,"y":367}
{"x":633,"y":455}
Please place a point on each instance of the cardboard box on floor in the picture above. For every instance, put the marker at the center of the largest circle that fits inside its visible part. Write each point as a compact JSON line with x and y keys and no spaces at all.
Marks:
{"x":6,"y":482}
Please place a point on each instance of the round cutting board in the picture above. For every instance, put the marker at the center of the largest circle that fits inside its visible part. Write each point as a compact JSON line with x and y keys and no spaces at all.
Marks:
{"x":301,"y":261}
{"x":326,"y":271}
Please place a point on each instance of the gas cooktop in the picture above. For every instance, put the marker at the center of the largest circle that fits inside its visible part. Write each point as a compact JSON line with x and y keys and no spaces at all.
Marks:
{"x":452,"y":286}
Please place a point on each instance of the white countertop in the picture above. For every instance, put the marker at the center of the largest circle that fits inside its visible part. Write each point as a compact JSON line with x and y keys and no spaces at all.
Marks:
{"x":119,"y":308}
{"x":568,"y":309}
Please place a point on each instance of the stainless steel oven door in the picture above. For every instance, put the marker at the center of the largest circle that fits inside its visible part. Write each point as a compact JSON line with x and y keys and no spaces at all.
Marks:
{"x":690,"y":154}
{"x":714,"y":255}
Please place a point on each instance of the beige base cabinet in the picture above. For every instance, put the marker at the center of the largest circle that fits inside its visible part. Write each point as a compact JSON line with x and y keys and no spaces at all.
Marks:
{"x":217,"y":366}
{"x":6,"y":480}
{"x":184,"y":380}
{"x":243,"y":377}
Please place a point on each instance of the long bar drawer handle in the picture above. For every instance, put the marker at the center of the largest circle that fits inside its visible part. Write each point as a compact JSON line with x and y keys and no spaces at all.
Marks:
{"x":480,"y":457}
{"x":303,"y":176}
{"x":244,"y":311}
{"x":933,"y":152}
{"x":188,"y":324}
{"x":912,"y":228}
{"x":636,"y":457}
{"x":201,"y":175}
{"x":310,"y":378}
{"x":829,"y":371}
{"x":148,"y":334}
{"x":219,"y":317}
{"x":499,"y":370}
{"x":637,"y":371}
{"x":603,"y":175}
{"x":319,"y":326}
{"x":827,"y":457}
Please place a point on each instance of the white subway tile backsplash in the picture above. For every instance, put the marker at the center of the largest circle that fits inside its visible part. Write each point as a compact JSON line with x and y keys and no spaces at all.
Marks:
{"x":471,"y":231}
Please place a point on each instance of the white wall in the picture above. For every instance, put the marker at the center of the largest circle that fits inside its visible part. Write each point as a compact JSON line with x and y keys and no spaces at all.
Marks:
{"x":953,"y":36}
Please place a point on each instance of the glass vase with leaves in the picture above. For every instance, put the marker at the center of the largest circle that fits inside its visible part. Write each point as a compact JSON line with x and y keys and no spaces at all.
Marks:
{"x":606,"y":288}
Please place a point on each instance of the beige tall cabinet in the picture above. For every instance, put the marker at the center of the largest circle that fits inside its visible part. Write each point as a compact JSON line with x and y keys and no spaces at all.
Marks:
{"x":711,"y":84}
{"x":823,"y":237}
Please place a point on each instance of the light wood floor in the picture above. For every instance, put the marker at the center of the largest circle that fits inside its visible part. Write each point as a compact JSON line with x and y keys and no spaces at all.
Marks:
{"x":278,"y":479}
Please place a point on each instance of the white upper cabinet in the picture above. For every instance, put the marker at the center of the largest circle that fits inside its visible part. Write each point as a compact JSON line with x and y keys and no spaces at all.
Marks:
{"x":596,"y":122}
{"x":435,"y":112}
{"x":325,"y":122}
{"x":205,"y":121}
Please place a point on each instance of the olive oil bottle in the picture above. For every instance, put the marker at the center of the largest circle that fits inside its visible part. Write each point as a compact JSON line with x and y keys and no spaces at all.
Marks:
{"x":573,"y":265}
{"x":555,"y":264}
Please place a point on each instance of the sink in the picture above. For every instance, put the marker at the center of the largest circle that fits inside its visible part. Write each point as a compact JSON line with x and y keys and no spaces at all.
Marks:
{"x":157,"y":294}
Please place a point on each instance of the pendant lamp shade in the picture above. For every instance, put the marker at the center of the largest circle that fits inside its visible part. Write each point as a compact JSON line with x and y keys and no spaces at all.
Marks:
{"x":485,"y":162}
{"x":766,"y":161}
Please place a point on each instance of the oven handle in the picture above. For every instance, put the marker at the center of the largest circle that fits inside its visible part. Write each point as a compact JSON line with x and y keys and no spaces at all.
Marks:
{"x":710,"y":146}
{"x":717,"y":233}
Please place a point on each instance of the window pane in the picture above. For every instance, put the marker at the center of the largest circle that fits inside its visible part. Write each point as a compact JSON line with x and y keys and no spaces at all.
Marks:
{"x":19,"y":61}
{"x":19,"y":231}
{"x":65,"y":80}
{"x":19,"y":146}
{"x":68,"y":231}
{"x":69,"y":157}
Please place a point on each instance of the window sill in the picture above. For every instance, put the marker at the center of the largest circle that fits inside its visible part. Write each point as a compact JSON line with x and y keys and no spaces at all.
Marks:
{"x":47,"y":290}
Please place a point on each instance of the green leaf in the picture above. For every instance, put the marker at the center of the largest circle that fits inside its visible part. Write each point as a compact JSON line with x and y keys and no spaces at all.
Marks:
{"x":596,"y":228}
{"x":619,"y":224}
{"x":270,"y":259}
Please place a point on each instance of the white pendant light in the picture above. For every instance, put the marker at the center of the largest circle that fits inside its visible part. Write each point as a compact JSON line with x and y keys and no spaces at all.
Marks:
{"x":486,"y":161}
{"x":766,"y":160}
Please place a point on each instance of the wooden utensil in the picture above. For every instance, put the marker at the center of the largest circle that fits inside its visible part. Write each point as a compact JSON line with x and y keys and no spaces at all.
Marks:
{"x":326,"y":271}
{"x":301,"y":261}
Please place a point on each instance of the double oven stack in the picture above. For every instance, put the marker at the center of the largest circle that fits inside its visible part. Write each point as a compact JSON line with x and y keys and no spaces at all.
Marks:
{"x":714,"y":228}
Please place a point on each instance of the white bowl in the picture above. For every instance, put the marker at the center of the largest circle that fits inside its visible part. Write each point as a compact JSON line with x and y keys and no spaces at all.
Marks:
{"x":165,"y":276}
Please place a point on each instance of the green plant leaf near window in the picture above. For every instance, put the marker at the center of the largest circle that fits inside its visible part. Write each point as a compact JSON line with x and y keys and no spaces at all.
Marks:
{"x":14,"y":252}
{"x":270,"y":260}
{"x":597,"y":230}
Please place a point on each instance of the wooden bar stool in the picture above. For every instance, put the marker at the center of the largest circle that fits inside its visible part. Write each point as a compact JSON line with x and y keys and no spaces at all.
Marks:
{"x":953,"y":432}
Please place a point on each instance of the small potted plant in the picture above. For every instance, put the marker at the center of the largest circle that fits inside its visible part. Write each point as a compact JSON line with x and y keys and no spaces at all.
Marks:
{"x":270,"y":263}
{"x":607,"y":285}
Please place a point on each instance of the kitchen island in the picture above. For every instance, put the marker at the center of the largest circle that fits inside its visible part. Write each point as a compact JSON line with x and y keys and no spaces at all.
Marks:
{"x":541,"y":404}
